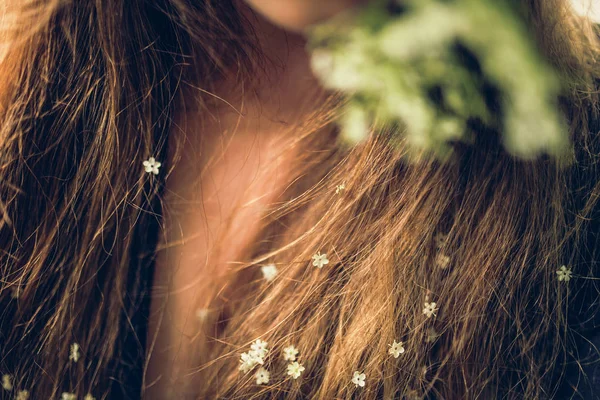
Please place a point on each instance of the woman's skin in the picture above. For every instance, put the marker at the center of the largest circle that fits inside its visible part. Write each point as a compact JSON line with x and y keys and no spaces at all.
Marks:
{"x":294,"y":15}
{"x":233,"y":166}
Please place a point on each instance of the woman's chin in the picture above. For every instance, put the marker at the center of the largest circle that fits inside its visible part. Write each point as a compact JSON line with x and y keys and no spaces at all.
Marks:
{"x":295,"y":15}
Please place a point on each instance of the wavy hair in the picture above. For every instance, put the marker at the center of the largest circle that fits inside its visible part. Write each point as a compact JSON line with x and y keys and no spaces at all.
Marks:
{"x":90,"y":88}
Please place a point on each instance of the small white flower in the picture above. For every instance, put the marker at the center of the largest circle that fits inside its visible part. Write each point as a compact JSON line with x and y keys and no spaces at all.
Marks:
{"x":269,"y":272}
{"x":202,"y":313}
{"x":247,"y":363}
{"x":22,"y":395}
{"x":249,"y":360}
{"x":432,"y":335}
{"x":442,"y":260}
{"x":396,"y":349}
{"x":440,"y":240}
{"x":68,"y":396}
{"x":295,"y":369}
{"x":256,"y":355}
{"x":89,"y":397}
{"x":289,"y":353}
{"x":340,"y":188}
{"x":7,"y":382}
{"x":262,"y":376}
{"x":564,"y":273}
{"x":259,"y":347}
{"x":358,"y":379}
{"x":74,"y":352}
{"x":430,"y":309}
{"x":320,"y":259}
{"x":151,"y":166}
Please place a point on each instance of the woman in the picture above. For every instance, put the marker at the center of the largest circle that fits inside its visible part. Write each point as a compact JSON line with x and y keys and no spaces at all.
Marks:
{"x":174,"y":200}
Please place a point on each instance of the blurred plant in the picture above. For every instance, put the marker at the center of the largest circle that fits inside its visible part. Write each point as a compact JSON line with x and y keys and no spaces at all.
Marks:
{"x":433,"y":67}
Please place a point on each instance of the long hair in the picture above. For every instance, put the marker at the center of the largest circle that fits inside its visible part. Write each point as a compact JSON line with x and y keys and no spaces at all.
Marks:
{"x":90,"y":89}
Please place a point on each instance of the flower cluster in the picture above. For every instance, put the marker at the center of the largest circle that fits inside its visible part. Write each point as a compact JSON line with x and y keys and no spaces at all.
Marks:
{"x":294,"y":368}
{"x":441,"y":260}
{"x":256,"y":355}
{"x":7,"y":385}
{"x":7,"y":381}
{"x":259,"y":348}
{"x":388,"y":65}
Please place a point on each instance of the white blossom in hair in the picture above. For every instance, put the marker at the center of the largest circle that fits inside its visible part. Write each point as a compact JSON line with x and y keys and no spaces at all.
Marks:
{"x":564,"y":273}
{"x":22,"y":395}
{"x":440,"y":240}
{"x":202,"y":313}
{"x":320,"y":259}
{"x":248,"y":361}
{"x":396,"y":349}
{"x":359,"y":379}
{"x":432,"y":335}
{"x":151,"y":166}
{"x":89,"y":397}
{"x":430,"y":309}
{"x":260,"y":348}
{"x":68,"y":396}
{"x":269,"y":272}
{"x":442,"y":260}
{"x":256,"y":355}
{"x":7,"y":382}
{"x":262,"y":376}
{"x":340,"y":188}
{"x":295,"y":369}
{"x":74,"y":352}
{"x":290,"y":353}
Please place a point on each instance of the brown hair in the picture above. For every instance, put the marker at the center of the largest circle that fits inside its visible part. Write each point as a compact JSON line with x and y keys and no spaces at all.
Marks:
{"x":90,"y":91}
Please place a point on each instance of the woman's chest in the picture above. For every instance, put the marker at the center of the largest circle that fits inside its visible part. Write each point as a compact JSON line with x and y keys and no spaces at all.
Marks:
{"x":214,"y":205}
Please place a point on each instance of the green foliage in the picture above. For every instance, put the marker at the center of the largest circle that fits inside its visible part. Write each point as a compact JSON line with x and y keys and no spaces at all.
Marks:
{"x":434,"y":67}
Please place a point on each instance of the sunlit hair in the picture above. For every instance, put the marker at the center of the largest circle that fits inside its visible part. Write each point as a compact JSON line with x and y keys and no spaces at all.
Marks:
{"x":90,"y":89}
